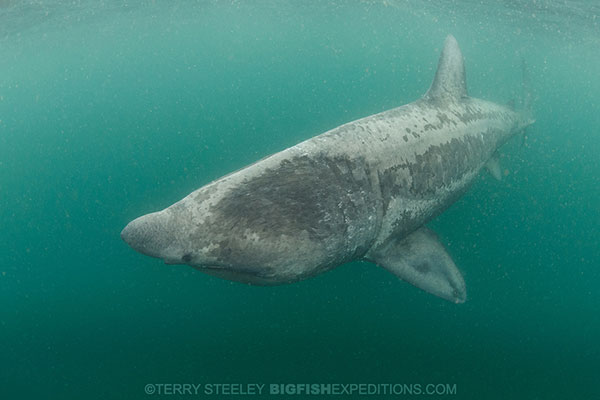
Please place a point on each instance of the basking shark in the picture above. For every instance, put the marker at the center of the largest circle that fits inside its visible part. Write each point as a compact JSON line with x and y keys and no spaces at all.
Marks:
{"x":361,"y":191}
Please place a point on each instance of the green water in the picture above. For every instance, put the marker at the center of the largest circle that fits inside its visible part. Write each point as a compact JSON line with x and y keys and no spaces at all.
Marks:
{"x":110,"y":110}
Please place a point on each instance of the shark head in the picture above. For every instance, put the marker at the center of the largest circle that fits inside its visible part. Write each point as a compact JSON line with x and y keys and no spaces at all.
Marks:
{"x":155,"y":235}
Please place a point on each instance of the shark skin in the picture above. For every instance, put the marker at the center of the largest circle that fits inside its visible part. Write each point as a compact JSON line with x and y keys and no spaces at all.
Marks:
{"x":361,"y":191}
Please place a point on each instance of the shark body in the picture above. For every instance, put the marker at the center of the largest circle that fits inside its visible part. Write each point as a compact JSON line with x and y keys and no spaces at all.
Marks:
{"x":363,"y":190}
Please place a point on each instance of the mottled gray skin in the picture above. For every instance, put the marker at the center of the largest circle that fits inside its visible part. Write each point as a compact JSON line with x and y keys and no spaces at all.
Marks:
{"x":340,"y":196}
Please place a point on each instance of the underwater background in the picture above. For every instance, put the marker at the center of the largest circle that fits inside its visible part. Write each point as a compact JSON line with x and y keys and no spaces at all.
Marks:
{"x":113,"y":109}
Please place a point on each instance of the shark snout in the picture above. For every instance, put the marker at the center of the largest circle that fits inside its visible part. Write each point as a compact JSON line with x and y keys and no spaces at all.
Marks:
{"x":151,"y":235}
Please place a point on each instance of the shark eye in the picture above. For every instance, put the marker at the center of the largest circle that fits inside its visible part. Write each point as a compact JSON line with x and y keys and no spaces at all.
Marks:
{"x":186,"y":258}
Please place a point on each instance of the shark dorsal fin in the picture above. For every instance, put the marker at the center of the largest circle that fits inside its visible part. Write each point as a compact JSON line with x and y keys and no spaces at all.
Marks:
{"x":450,"y":79}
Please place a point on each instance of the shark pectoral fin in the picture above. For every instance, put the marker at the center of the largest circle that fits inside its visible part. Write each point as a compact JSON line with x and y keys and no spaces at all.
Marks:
{"x":421,"y":260}
{"x":493,"y":166}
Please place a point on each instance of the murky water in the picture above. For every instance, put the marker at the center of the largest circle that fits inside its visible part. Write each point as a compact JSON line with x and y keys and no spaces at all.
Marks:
{"x":112,"y":109}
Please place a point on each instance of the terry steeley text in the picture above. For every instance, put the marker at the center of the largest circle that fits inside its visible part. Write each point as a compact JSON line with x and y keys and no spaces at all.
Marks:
{"x":336,"y":389}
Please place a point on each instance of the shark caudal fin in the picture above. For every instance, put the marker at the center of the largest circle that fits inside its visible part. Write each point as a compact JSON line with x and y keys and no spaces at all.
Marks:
{"x":526,"y":101}
{"x":450,"y":80}
{"x":527,"y":92}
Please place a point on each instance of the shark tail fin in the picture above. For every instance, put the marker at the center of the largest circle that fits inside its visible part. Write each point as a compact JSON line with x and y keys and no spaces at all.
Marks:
{"x":526,"y":89}
{"x":450,"y":78}
{"x":526,"y":99}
